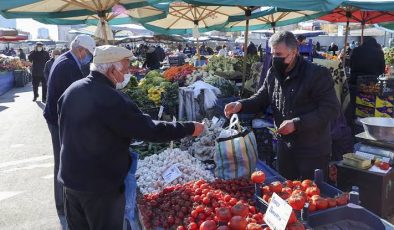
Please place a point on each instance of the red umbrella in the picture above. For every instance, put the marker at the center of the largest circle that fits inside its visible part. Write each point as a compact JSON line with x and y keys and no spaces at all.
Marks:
{"x":13,"y":38}
{"x":359,"y":16}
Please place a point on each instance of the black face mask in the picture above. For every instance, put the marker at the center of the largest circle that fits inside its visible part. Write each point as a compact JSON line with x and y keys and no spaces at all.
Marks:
{"x":279,"y":64}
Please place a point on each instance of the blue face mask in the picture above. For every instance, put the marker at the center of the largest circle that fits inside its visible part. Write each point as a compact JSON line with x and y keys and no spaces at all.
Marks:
{"x":86,"y":59}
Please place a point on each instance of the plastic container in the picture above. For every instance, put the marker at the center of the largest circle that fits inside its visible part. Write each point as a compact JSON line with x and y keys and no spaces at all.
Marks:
{"x":351,"y":216}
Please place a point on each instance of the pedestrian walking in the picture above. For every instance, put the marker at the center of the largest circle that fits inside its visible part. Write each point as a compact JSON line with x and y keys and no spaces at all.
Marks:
{"x":38,"y":57}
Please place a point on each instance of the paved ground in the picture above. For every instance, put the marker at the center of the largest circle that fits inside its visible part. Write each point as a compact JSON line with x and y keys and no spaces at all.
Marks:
{"x":26,"y":164}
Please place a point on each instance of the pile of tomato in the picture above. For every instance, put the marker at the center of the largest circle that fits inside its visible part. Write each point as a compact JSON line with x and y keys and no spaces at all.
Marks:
{"x":298,"y":193}
{"x":222,"y":204}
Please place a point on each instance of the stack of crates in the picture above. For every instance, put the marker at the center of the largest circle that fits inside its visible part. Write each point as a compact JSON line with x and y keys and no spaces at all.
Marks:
{"x":374,"y":98}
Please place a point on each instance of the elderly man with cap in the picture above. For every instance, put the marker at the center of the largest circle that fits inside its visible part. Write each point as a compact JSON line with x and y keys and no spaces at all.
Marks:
{"x":38,"y":57}
{"x":65,"y":70}
{"x":97,"y":122}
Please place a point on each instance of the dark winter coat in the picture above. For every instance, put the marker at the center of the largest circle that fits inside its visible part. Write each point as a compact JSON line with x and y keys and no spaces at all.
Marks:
{"x":38,"y":60}
{"x":306,"y":96}
{"x":367,"y":59}
{"x":96,"y":125}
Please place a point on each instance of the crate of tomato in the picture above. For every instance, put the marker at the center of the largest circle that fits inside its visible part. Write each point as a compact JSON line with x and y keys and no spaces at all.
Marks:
{"x":316,"y":204}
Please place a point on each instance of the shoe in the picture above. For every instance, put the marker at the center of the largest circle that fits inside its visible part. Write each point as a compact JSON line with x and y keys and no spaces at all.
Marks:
{"x":44,"y":100}
{"x":35,"y":99}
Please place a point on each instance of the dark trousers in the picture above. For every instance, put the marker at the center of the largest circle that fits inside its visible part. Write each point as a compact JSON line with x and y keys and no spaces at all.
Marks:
{"x":295,"y":167}
{"x":36,"y":82}
{"x":58,"y":187}
{"x":94,"y":211}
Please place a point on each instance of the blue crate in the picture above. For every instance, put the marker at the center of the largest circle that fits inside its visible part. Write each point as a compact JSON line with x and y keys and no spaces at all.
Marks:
{"x":345,"y":217}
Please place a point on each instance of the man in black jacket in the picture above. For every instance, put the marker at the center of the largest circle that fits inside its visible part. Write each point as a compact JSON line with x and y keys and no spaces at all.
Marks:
{"x":367,"y":59}
{"x":48,"y":65}
{"x":66,"y":69}
{"x":38,"y":57}
{"x":303,"y":101}
{"x":97,"y":122}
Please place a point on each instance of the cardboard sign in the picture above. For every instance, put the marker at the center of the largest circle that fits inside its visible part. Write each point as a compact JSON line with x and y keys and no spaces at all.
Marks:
{"x":171,"y":174}
{"x":278,"y":213}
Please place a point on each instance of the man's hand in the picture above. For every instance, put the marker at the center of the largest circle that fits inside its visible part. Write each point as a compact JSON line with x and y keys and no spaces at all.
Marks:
{"x":287,"y":127}
{"x":232,"y":108}
{"x":198,"y":129}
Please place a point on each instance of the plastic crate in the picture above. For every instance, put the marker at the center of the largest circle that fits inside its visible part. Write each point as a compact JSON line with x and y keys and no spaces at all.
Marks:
{"x":350,"y":216}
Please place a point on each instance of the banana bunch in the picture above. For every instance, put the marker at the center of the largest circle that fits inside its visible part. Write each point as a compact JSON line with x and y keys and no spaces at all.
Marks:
{"x":154,"y":94}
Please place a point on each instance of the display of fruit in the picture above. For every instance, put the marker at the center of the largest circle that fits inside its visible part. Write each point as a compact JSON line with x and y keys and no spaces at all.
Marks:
{"x":221,"y":204}
{"x":258,"y":177}
{"x":298,"y":193}
{"x":154,"y":94}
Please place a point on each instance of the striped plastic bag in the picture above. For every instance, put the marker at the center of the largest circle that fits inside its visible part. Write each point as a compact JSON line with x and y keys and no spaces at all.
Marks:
{"x":236,"y":156}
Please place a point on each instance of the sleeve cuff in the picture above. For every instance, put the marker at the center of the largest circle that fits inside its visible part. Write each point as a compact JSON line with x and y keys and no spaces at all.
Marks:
{"x":189,"y":126}
{"x":297,"y":123}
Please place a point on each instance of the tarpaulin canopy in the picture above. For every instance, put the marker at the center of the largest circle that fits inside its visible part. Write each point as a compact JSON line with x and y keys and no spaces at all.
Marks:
{"x":378,"y":5}
{"x":360,"y":16}
{"x":55,"y":11}
{"x":314,"y":5}
{"x":19,"y":37}
{"x":270,"y":18}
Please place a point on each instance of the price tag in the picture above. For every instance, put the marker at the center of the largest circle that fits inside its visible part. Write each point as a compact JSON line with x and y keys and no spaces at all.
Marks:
{"x":214,"y":120}
{"x":160,"y":112}
{"x":365,"y":155}
{"x":171,"y":174}
{"x":278,"y":213}
{"x":221,"y":122}
{"x":172,"y":142}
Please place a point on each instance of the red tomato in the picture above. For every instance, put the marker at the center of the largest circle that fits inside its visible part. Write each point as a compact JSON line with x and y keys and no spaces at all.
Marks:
{"x":295,"y":226}
{"x":227,"y":198}
{"x":299,"y":192}
{"x":200,"y":208}
{"x":223,"y":227}
{"x":288,"y":183}
{"x":276,"y":187}
{"x":192,"y":226}
{"x":266,"y":198}
{"x":342,"y":199}
{"x":287,"y":190}
{"x":206,"y":200}
{"x":331,"y":202}
{"x":312,"y":191}
{"x":320,"y":203}
{"x":254,"y":226}
{"x":296,"y":183}
{"x":293,"y":218}
{"x":251,"y":220}
{"x":258,"y":177}
{"x":252,"y":209}
{"x":312,"y":207}
{"x":306,"y":184}
{"x":237,"y":223}
{"x":265,"y":190}
{"x":297,"y":202}
{"x":240,"y":210}
{"x":208,"y":225}
{"x":180,"y":228}
{"x":233,"y":201}
{"x":223,"y":214}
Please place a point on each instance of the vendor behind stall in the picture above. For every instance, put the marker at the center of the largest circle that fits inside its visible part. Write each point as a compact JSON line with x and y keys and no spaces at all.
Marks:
{"x":303,"y":100}
{"x":97,"y":122}
{"x":152,"y":60}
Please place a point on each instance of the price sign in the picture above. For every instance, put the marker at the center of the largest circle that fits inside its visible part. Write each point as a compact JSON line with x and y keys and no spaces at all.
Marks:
{"x":171,"y":174}
{"x":278,"y":213}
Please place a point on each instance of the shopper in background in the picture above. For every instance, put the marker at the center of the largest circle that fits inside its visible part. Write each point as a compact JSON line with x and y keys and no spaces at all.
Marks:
{"x":38,"y":57}
{"x":367,"y":59}
{"x":22,"y":54}
{"x":303,"y":101}
{"x":333,"y":48}
{"x":97,"y":122}
{"x":152,"y":60}
{"x":48,"y":65}
{"x":188,"y":51}
{"x":66,"y":69}
{"x":223,"y":51}
{"x":251,"y":50}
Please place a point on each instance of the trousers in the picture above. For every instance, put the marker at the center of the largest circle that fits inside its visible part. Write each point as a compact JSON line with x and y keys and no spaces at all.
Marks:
{"x":292,"y":166}
{"x":58,"y":187}
{"x":94,"y":211}
{"x":36,"y":82}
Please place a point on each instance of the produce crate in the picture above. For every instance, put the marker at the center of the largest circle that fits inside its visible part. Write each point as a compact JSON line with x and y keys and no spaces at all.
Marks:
{"x":350,"y":216}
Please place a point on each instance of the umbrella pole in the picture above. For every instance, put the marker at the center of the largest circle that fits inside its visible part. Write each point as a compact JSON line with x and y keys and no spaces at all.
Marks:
{"x":102,"y":20}
{"x":198,"y":51}
{"x":346,"y":37}
{"x":247,"y":16}
{"x":362,"y":32}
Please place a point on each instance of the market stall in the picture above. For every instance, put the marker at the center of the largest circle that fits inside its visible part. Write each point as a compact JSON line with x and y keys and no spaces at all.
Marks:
{"x":13,"y":72}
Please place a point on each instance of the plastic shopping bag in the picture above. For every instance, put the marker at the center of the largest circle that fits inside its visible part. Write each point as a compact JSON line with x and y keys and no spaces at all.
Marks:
{"x":131,"y":189}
